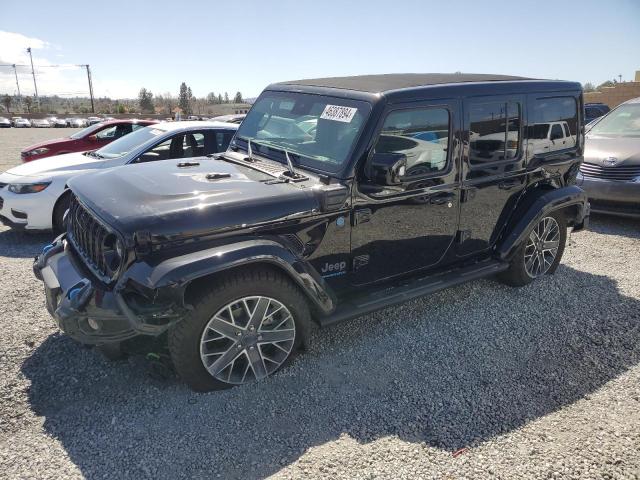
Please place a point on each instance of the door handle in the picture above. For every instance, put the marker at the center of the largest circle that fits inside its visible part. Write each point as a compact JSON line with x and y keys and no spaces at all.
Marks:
{"x":508,"y":185}
{"x":442,"y":199}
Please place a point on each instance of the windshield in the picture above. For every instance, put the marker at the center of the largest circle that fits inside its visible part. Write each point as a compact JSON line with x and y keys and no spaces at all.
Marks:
{"x":125,"y":144}
{"x":624,"y":121}
{"x":318,"y":131}
{"x":85,"y":131}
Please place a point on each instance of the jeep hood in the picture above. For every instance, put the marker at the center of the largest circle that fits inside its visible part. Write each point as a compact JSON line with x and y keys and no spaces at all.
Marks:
{"x":170,"y":202}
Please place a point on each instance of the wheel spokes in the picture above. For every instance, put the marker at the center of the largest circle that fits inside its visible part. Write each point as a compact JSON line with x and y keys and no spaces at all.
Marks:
{"x":247,"y":340}
{"x":542,"y":247}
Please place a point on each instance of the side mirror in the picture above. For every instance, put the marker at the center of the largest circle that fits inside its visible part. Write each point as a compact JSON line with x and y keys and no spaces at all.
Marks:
{"x":387,"y":168}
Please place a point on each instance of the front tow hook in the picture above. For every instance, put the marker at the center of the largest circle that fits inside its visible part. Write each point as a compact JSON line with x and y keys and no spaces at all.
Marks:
{"x":41,"y":260}
{"x":75,"y":300}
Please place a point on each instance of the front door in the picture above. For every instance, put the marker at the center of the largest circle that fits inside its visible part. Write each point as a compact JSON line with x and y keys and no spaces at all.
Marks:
{"x":409,"y":227}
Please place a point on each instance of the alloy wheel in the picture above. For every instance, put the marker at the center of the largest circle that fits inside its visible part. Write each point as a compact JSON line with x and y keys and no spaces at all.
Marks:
{"x":542,"y":247}
{"x":247,"y":340}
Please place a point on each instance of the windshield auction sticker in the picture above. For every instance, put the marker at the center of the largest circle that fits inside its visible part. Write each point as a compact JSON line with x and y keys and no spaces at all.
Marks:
{"x":338,"y":113}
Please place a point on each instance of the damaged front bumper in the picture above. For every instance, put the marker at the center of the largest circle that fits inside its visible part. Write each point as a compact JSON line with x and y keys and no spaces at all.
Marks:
{"x":93,"y":313}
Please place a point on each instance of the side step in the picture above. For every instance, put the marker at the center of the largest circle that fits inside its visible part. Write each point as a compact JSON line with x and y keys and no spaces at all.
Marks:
{"x":389,"y":296}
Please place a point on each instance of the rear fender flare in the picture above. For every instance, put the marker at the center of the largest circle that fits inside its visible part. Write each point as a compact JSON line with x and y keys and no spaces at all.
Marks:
{"x":180,"y":271}
{"x":534,"y":206}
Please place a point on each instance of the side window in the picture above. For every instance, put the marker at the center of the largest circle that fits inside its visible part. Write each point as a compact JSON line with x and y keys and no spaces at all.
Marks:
{"x":221,"y":141}
{"x":170,"y":148}
{"x":566,"y":130}
{"x":420,"y":134}
{"x":136,"y":126}
{"x":556,"y":132}
{"x":193,"y":145}
{"x":556,"y":109}
{"x":494,"y":132}
{"x":106,"y":133}
{"x":122,"y":130}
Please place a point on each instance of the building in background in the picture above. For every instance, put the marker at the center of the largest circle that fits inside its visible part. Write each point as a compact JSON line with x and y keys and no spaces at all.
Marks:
{"x":616,"y":94}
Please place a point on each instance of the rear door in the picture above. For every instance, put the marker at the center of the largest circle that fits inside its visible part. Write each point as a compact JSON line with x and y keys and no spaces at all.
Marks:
{"x":494,"y":172}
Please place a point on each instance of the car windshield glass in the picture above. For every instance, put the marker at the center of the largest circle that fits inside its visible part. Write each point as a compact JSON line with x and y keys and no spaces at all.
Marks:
{"x":125,"y":144}
{"x":624,"y":121}
{"x":318,"y":131}
{"x":85,"y":131}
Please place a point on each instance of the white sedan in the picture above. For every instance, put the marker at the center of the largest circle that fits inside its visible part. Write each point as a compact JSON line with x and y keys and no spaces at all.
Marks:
{"x":34,"y":195}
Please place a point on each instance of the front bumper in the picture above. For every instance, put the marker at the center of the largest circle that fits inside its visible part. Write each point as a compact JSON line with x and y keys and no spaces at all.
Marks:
{"x":87,"y":310}
{"x":613,"y":197}
{"x":31,"y":211}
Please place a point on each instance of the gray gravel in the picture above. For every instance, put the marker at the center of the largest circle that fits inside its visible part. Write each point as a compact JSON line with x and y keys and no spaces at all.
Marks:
{"x":479,"y":381}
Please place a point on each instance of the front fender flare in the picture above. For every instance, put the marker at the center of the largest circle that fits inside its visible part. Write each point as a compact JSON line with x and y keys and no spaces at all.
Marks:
{"x":182,"y":270}
{"x":534,"y":206}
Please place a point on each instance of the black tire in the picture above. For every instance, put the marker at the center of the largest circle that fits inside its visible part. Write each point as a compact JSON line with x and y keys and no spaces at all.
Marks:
{"x":185,"y":337}
{"x":517,"y":275}
{"x":58,"y":212}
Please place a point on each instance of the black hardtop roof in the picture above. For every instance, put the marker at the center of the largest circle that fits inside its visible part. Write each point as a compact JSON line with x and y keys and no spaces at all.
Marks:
{"x":396,"y":81}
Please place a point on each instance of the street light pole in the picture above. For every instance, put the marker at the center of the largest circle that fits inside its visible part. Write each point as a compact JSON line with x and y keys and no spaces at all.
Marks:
{"x":93,"y":108}
{"x":34,"y":78}
{"x":15,"y":71}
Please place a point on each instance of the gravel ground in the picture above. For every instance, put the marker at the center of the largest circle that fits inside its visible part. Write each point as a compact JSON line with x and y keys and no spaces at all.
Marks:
{"x":479,"y":381}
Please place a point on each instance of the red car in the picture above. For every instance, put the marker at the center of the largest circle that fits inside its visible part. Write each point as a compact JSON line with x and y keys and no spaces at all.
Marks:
{"x":90,"y":138}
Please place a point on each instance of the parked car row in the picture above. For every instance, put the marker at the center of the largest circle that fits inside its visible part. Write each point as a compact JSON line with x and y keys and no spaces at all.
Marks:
{"x":51,"y":122}
{"x":333,"y":198}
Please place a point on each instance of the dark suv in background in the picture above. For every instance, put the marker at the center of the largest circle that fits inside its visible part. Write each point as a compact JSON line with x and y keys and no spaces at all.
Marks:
{"x":336,"y":197}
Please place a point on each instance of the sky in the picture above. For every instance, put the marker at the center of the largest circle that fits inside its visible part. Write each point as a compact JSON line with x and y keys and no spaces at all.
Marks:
{"x":244,"y":45}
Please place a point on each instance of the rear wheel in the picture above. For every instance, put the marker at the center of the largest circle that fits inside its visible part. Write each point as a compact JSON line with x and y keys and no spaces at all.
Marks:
{"x":244,"y":329}
{"x":540,"y":253}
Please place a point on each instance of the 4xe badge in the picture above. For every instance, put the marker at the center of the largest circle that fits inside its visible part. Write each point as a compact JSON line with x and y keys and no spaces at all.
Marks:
{"x":333,"y":269}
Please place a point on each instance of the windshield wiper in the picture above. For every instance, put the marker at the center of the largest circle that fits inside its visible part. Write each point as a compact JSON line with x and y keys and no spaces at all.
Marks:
{"x":292,"y":172}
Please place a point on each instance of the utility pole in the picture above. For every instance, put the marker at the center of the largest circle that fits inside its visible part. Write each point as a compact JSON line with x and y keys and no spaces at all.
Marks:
{"x":15,"y":71}
{"x":34,"y":78}
{"x":93,"y":108}
{"x":620,"y":77}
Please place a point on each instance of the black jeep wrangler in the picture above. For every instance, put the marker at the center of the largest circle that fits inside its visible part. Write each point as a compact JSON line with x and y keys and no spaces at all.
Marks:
{"x":336,"y":197}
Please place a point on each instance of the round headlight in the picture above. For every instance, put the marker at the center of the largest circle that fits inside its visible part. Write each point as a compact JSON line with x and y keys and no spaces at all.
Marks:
{"x":112,"y":253}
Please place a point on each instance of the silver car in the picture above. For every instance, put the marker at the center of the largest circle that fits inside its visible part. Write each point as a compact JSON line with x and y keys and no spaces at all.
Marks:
{"x":610,"y":173}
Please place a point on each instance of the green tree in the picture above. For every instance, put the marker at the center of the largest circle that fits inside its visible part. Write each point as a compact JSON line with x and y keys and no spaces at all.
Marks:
{"x":145,"y":99}
{"x":589,"y":87}
{"x":226,"y":97}
{"x":211,"y":98}
{"x":219,"y":98}
{"x":6,"y":101}
{"x":28,"y":101}
{"x":183,"y":98}
{"x":237,"y":98}
{"x":122,"y":109}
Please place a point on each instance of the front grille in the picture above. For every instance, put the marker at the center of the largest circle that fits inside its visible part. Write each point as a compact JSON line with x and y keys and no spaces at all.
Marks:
{"x":87,"y":236}
{"x":621,"y":173}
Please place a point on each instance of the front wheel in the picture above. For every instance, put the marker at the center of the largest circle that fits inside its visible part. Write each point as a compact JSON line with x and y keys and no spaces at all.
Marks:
{"x":540,"y":253}
{"x":246,"y":327}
